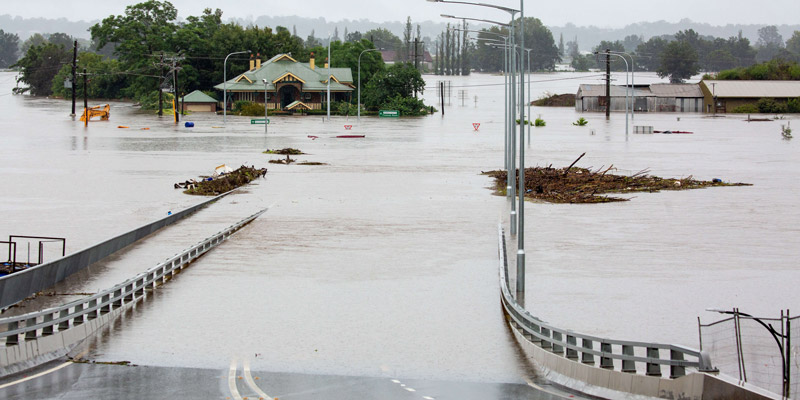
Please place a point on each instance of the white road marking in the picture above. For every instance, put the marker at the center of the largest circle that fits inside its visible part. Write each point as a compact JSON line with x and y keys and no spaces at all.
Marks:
{"x":537,"y":387}
{"x":252,"y":383}
{"x":232,"y":381}
{"x":27,"y":378}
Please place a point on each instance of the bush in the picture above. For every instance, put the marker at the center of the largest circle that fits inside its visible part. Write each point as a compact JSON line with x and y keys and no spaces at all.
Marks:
{"x":770,"y":106}
{"x":793,"y":105}
{"x":539,"y":122}
{"x":581,"y":122}
{"x":746,"y":109}
{"x":252,"y":110}
{"x":238,"y":104}
{"x":150,"y":101}
{"x":408,"y":106}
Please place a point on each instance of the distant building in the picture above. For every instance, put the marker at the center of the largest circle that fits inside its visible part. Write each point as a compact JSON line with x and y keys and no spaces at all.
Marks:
{"x":425,"y":60}
{"x":290,"y":85}
{"x":198,"y":101}
{"x":724,"y":96}
{"x":657,"y":97}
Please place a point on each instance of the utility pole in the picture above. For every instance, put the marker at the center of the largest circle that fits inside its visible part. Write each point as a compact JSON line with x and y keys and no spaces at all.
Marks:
{"x":175,"y":92}
{"x":85,"y":100}
{"x":74,"y":74}
{"x":608,"y":83}
{"x":160,"y":84}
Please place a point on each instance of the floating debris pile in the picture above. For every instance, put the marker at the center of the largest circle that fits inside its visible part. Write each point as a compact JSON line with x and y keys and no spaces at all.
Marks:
{"x":582,"y":185}
{"x":222,"y":183}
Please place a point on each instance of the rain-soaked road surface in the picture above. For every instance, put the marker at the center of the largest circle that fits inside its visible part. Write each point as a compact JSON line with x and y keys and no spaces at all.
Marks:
{"x":382,"y":264}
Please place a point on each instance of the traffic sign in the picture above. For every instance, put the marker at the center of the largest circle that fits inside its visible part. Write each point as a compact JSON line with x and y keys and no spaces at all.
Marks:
{"x":258,"y":121}
{"x":389,"y":113}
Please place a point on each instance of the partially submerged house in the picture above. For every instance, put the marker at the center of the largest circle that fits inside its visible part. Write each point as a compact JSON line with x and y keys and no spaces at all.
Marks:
{"x":657,"y":97}
{"x":198,"y":101}
{"x":724,"y":96}
{"x":290,"y":85}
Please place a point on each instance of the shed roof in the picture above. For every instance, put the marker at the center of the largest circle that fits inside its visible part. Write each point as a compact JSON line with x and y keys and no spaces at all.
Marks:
{"x":599,"y":90}
{"x":753,"y":89}
{"x":198,"y":97}
{"x":281,"y":66}
{"x":676,"y":90}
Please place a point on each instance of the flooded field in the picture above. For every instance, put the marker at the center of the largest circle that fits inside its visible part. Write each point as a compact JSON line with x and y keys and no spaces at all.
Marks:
{"x":383,"y":262}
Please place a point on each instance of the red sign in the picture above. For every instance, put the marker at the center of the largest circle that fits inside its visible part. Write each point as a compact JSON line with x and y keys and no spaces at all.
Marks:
{"x":476,"y":125}
{"x":348,"y":127}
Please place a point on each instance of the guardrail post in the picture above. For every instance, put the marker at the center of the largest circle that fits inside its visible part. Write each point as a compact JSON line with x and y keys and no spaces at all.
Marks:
{"x":139,"y":284}
{"x":546,"y":344}
{"x":64,"y":324}
{"x":12,"y":340}
{"x":150,"y":280}
{"x":653,"y":369}
{"x":47,"y":330}
{"x":79,"y":318}
{"x":557,"y":348}
{"x":128,"y":293}
{"x":606,"y":362}
{"x":106,"y":307}
{"x":628,"y":366}
{"x":118,"y":296}
{"x":92,"y":314}
{"x":586,"y":357}
{"x":572,"y":354}
{"x":676,"y":371}
{"x":30,"y":334}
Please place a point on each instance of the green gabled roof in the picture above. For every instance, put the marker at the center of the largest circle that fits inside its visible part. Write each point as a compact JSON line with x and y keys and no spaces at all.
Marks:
{"x":198,"y":97}
{"x":281,"y":65}
{"x":297,"y":103}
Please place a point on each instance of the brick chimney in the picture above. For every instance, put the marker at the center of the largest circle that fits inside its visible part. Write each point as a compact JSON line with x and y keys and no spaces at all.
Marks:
{"x":311,"y":61}
{"x":258,"y":60}
{"x":326,"y":63}
{"x":252,"y":63}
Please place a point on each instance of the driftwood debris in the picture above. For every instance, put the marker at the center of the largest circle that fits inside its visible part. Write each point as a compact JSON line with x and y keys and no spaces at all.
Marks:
{"x":225,"y":183}
{"x":582,"y":185}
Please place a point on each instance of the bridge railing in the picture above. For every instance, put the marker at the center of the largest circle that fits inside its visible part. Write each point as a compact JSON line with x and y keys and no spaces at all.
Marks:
{"x":652,"y":359}
{"x":32,"y":326}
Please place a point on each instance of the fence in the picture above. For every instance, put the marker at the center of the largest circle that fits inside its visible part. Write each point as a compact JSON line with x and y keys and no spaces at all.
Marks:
{"x":34,"y":335}
{"x":16,"y":287}
{"x":744,"y":348}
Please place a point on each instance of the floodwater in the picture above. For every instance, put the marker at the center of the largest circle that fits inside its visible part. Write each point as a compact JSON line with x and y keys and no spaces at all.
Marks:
{"x":384,"y":261}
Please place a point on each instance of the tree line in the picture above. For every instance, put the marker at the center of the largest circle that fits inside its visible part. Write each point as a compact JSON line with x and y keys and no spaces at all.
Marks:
{"x":686,"y":53}
{"x":128,"y":56}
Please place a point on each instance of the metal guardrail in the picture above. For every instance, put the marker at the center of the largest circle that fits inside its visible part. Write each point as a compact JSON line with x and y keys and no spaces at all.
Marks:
{"x":47,"y":322}
{"x":618,"y":355}
{"x":17,"y":286}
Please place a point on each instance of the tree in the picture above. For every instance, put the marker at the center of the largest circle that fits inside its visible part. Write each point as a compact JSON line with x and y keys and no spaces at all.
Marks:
{"x":631,"y":42}
{"x":37,"y":39}
{"x":793,"y":44}
{"x":720,"y":59}
{"x":335,"y":37}
{"x":678,"y":62}
{"x":561,"y":48}
{"x":384,"y":39}
{"x":61,"y":39}
{"x":399,"y":80}
{"x":770,"y":43}
{"x":539,"y":38}
{"x":9,"y":46}
{"x":312,"y":41}
{"x":572,"y":48}
{"x":648,"y":54}
{"x":354,"y":37}
{"x":39,"y":65}
{"x":617,"y":63}
{"x":405,"y":55}
{"x":105,"y":80}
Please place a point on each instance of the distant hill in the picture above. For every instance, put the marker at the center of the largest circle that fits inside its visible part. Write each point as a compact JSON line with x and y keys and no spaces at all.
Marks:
{"x":26,"y":27}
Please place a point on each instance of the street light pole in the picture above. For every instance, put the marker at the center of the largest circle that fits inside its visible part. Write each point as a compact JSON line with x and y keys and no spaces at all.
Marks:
{"x":521,"y":191}
{"x":329,"y":77}
{"x":225,"y":84}
{"x":633,"y":82}
{"x":358,"y":105}
{"x":266,"y":121}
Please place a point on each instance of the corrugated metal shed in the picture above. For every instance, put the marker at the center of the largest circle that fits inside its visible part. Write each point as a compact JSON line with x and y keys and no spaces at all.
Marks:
{"x":676,"y":90}
{"x":599,"y":90}
{"x":753,"y":89}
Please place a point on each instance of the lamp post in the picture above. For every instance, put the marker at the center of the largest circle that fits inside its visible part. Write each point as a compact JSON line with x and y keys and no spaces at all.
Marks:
{"x":516,"y":223}
{"x":627,"y":71}
{"x":633,"y":81}
{"x":329,"y":77}
{"x":358,"y":106}
{"x":225,"y":84}
{"x":266,"y":121}
{"x":778,"y":339}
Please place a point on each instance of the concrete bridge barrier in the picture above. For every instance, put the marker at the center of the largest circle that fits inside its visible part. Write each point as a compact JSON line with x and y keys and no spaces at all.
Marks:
{"x":41,"y":336}
{"x":609,"y":368}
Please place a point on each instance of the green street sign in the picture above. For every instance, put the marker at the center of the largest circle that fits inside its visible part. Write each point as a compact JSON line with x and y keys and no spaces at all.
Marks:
{"x":389,"y":113}
{"x":258,"y":121}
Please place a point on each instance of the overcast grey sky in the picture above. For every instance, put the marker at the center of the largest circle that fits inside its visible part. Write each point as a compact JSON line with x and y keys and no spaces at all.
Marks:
{"x":609,"y":13}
